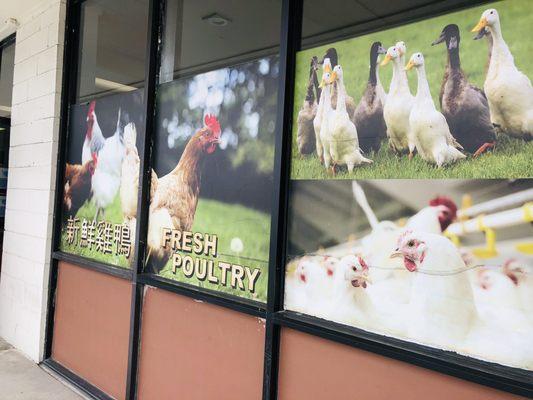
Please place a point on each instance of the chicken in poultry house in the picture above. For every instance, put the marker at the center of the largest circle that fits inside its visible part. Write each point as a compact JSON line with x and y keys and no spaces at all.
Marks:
{"x":77,"y":189}
{"x":108,"y":169}
{"x":350,"y":303}
{"x":174,"y":202}
{"x":308,"y":288}
{"x":441,"y":309}
{"x":500,"y":315}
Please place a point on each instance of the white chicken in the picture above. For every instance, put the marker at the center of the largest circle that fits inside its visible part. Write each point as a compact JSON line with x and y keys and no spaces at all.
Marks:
{"x":521,"y":275}
{"x":130,"y":173}
{"x":129,"y":182}
{"x":350,"y":303}
{"x":429,"y":128}
{"x":399,"y":102}
{"x":441,"y":308}
{"x":310,"y":287}
{"x":502,"y":330}
{"x":108,"y":168}
{"x":508,"y":90}
{"x":340,"y":141}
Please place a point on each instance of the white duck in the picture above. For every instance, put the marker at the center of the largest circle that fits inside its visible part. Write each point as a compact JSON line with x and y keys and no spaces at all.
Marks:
{"x":508,"y":90}
{"x":340,"y":141}
{"x":322,"y":109}
{"x":430,"y":130}
{"x":399,"y":102}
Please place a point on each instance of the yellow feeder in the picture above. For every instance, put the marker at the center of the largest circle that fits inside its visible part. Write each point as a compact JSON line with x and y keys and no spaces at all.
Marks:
{"x":466,"y":203}
{"x":526,"y":248}
{"x":454,"y":238}
{"x":489,"y":251}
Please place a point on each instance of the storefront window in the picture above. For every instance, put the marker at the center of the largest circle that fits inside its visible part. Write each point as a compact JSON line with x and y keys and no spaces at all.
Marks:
{"x":112,"y":47}
{"x":202,"y":35}
{"x":212,"y":180}
{"x":442,"y":257}
{"x":106,"y":127}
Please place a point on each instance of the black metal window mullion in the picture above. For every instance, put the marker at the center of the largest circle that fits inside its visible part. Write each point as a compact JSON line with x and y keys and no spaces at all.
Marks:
{"x":291,"y":24}
{"x":143,"y":203}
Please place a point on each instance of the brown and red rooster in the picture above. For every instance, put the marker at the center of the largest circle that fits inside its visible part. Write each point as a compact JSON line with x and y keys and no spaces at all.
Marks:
{"x":174,"y":202}
{"x":77,"y":187}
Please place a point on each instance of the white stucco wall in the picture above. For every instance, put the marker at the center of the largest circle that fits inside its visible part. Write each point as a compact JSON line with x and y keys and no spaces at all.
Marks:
{"x":31,"y":181}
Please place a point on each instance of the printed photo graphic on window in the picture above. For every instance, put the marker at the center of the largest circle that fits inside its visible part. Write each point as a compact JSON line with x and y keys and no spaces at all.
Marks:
{"x":448,"y":97}
{"x":211,"y":189}
{"x":441,"y":263}
{"x":99,"y":204}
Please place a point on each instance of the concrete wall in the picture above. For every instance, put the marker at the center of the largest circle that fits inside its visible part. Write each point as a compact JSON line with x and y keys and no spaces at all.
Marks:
{"x":32,"y":171}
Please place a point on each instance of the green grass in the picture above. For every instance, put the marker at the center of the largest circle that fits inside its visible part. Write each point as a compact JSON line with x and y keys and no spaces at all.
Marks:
{"x":512,"y":158}
{"x":113,"y":214}
{"x":229,"y":221}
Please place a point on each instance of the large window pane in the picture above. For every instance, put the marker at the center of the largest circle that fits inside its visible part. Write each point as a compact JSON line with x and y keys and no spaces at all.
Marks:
{"x":406,"y":215}
{"x":112,"y":46}
{"x":200,"y":35}
{"x":214,"y":146}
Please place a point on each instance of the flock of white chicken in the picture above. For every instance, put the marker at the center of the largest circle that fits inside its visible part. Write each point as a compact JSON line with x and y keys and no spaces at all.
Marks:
{"x":413,"y":283}
{"x":116,"y":162}
{"x":413,"y":122}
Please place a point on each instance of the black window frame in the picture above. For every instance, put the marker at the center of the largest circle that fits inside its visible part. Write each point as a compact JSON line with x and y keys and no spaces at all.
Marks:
{"x":492,"y":375}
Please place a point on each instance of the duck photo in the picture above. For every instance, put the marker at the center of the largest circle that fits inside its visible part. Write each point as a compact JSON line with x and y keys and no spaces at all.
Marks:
{"x":467,"y":112}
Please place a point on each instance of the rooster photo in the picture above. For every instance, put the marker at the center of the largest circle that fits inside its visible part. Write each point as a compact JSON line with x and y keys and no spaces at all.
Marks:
{"x":211,"y":190}
{"x":101,"y":178}
{"x":442,"y":263}
{"x":447,"y":97}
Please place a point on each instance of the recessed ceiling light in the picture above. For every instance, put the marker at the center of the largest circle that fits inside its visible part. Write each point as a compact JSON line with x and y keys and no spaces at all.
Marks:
{"x":216,"y":19}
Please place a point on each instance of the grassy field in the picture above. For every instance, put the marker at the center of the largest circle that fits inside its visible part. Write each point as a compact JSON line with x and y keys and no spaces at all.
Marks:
{"x":113,"y":214}
{"x":232,"y":221}
{"x":511,"y":159}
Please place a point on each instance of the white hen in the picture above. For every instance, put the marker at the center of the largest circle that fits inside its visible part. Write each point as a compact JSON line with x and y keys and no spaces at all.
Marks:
{"x":441,"y":309}
{"x":108,"y":168}
{"x":502,"y":332}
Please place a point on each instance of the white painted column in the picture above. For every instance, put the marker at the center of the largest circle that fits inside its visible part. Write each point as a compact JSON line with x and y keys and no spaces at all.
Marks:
{"x":31,"y":181}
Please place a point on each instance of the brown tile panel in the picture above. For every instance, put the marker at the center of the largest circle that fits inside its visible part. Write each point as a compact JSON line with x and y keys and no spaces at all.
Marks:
{"x":197,"y":351}
{"x":91,"y":328}
{"x":313,"y":368}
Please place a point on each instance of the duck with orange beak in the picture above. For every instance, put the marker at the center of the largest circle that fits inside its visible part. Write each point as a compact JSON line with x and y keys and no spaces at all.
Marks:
{"x":508,"y":90}
{"x":431,"y":132}
{"x":399,"y":102}
{"x":341,"y":143}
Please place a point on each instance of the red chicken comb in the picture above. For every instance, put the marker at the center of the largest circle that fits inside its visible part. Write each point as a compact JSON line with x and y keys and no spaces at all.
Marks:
{"x":92,"y":105}
{"x":212,"y":123}
{"x":444,"y":201}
